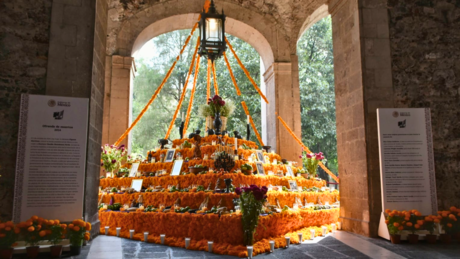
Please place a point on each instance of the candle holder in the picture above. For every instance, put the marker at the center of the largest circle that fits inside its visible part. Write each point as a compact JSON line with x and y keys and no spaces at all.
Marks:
{"x":118,"y":231}
{"x":300,"y":237}
{"x":146,"y":236}
{"x":334,"y":227}
{"x":107,"y":230}
{"x":324,"y":230}
{"x":210,"y":246}
{"x":187,"y":242}
{"x":288,"y":241}
{"x":312,"y":232}
{"x":250,"y":251}
{"x":162,"y":238}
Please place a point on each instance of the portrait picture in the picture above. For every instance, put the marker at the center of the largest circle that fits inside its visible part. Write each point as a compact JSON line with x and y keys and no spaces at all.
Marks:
{"x":293,"y":185}
{"x":170,"y":155}
{"x":260,"y":168}
{"x":260,"y":156}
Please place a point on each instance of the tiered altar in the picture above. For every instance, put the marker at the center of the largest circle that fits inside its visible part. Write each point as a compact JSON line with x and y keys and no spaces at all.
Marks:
{"x":216,"y":192}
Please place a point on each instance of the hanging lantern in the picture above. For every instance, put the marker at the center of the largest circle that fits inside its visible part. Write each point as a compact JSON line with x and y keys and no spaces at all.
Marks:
{"x":212,"y":33}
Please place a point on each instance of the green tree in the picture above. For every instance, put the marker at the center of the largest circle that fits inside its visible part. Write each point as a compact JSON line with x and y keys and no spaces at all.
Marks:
{"x":151,"y":71}
{"x":317,"y":96}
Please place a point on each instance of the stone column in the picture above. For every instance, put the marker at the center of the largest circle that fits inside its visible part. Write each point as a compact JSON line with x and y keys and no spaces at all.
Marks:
{"x":76,"y":68}
{"x":362,"y":84}
{"x":282,"y":91}
{"x":117,"y":98}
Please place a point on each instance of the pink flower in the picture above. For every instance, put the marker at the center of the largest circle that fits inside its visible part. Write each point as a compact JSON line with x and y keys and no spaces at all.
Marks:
{"x":309,"y":155}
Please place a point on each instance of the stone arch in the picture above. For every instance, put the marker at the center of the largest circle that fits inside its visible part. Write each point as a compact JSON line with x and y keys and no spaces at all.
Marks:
{"x":317,"y":15}
{"x":187,"y":21}
{"x":258,"y":30}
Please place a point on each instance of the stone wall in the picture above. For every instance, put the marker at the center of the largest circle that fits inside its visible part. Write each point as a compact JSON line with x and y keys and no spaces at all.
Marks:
{"x":425,"y":56}
{"x":24,"y":43}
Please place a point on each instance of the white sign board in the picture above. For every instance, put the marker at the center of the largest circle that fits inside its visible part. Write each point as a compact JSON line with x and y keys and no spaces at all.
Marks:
{"x":133,"y":170}
{"x":51,"y":158}
{"x":136,"y":184}
{"x":406,"y":160}
{"x":177,"y":167}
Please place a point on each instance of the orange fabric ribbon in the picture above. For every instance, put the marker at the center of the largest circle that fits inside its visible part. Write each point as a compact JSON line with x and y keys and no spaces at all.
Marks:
{"x":238,"y":92}
{"x":246,"y":110}
{"x":216,"y":88}
{"x":192,"y":95}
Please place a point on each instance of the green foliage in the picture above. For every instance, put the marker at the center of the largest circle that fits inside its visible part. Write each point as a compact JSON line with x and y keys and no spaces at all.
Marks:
{"x":317,"y":96}
{"x":151,"y":71}
{"x":209,"y":110}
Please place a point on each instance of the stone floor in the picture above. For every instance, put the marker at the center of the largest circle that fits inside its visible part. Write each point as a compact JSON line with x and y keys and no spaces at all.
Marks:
{"x":336,"y":245}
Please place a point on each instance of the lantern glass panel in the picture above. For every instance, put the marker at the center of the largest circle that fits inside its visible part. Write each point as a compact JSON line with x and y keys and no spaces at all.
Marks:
{"x":213,"y":30}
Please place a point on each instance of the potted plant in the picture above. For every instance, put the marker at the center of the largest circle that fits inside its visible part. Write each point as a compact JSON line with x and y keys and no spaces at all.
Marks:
{"x":77,"y":233}
{"x":456,"y":224}
{"x":394,"y":223}
{"x":57,"y":233}
{"x":111,"y":157}
{"x":251,"y":201}
{"x":217,"y":107}
{"x":33,"y":233}
{"x":311,"y":161}
{"x":413,"y":222}
{"x":8,"y":238}
{"x":447,"y":220}
{"x":430,"y":224}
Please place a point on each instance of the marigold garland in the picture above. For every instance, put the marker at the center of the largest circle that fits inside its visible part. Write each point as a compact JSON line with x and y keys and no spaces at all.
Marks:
{"x":307,"y":149}
{"x":208,"y":81}
{"x":184,"y":91}
{"x":246,"y":71}
{"x":216,"y":88}
{"x":201,"y":228}
{"x":192,"y":95}
{"x":238,"y":92}
{"x":211,"y":178}
{"x":194,"y":199}
{"x":154,"y":96}
{"x":246,"y":110}
{"x":210,"y":139}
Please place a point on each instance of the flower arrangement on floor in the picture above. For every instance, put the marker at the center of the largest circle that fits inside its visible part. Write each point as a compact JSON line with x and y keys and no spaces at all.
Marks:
{"x":112,"y":156}
{"x":77,"y":233}
{"x":8,"y":237}
{"x":252,"y":200}
{"x":413,"y":221}
{"x":311,"y":161}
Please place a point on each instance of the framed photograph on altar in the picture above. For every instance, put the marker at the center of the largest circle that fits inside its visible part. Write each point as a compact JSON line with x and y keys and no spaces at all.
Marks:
{"x":260,"y":168}
{"x":137,"y":184}
{"x":289,"y":171}
{"x":133,"y":170}
{"x":170,"y":155}
{"x":293,"y":185}
{"x":177,"y":167}
{"x":260,"y":156}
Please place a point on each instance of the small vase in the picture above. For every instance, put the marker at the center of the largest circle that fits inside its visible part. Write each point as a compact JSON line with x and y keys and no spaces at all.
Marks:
{"x":75,"y":250}
{"x":446,"y":238}
{"x":32,"y":251}
{"x":56,"y":251}
{"x":395,"y":239}
{"x":412,"y":238}
{"x":6,"y":253}
{"x":430,"y":239}
{"x":217,"y":123}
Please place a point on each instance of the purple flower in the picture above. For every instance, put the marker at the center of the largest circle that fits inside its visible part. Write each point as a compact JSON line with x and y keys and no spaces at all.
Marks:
{"x":114,"y":161}
{"x":122,"y":147}
{"x":264,"y":189}
{"x":246,"y":189}
{"x":102,"y":164}
{"x":222,"y":103}
{"x":238,"y":191}
{"x":258,"y":195}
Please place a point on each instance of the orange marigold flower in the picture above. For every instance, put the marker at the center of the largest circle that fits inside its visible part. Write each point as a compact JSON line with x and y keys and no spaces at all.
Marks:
{"x":42,"y":233}
{"x":452,"y":216}
{"x":453,"y":209}
{"x":420,"y":222}
{"x":387,"y":221}
{"x":39,"y":227}
{"x":63,"y":226}
{"x":417,"y":226}
{"x":70,"y":226}
{"x":51,"y":222}
{"x":30,"y":229}
{"x":57,"y":222}
{"x":396,"y":224}
{"x":29,"y":223}
{"x":418,"y":214}
{"x":76,"y":228}
{"x":409,"y":224}
{"x":387,"y":211}
{"x":401,"y":228}
{"x":2,"y":226}
{"x":9,"y":224}
{"x":449,"y":225}
{"x":7,"y":228}
{"x":34,"y":218}
{"x":17,"y":230}
{"x":436,"y":220}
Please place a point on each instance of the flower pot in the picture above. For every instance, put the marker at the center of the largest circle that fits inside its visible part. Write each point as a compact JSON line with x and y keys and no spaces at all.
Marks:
{"x":6,"y":253}
{"x":210,"y":120}
{"x":412,"y":238}
{"x":75,"y":250}
{"x":395,"y":239}
{"x":456,"y":236}
{"x":32,"y":251}
{"x":431,"y":239}
{"x":56,"y":251}
{"x":446,"y":238}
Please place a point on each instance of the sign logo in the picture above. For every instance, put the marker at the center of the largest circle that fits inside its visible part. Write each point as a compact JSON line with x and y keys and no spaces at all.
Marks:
{"x":51,"y":103}
{"x":58,"y":115}
{"x":402,"y":124}
{"x":395,"y":114}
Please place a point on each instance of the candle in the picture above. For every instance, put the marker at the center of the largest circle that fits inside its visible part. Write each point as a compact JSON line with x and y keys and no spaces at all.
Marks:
{"x":334,"y":227}
{"x":213,"y":143}
{"x":236,"y":144}
{"x":272,"y":246}
{"x":107,"y":230}
{"x":312,"y":232}
{"x":250,"y":250}
{"x":248,"y":119}
{"x":118,"y":231}
{"x":324,"y":230}
{"x":300,"y":237}
{"x":162,"y":238}
{"x":275,"y":161}
{"x":146,"y":236}
{"x":288,"y":241}
{"x":108,"y":175}
{"x":187,"y":242}
{"x":236,"y":158}
{"x":131,"y":233}
{"x":210,"y":246}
